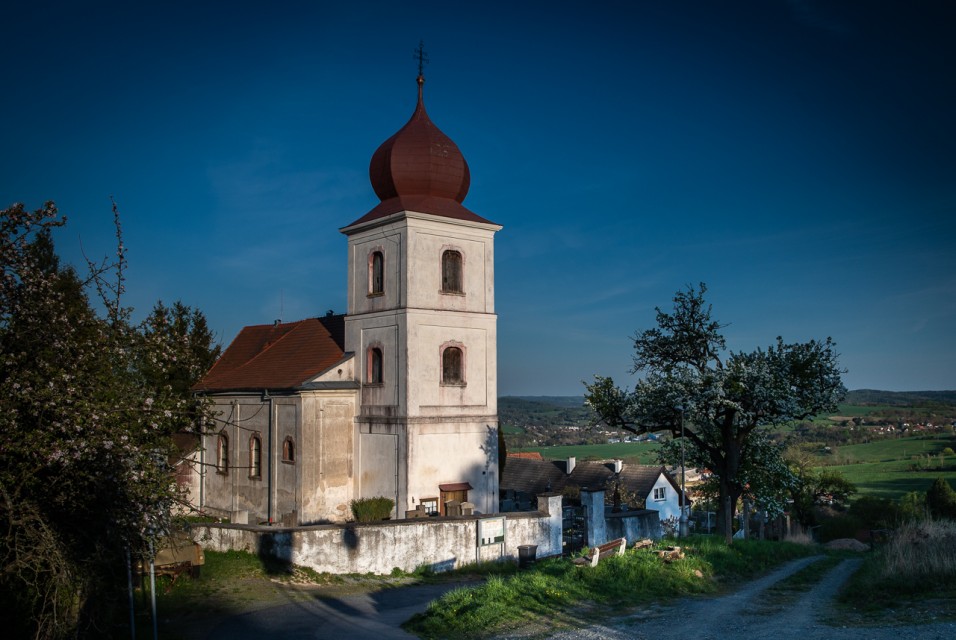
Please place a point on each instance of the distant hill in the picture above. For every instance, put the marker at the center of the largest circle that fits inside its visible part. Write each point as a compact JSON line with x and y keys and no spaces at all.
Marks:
{"x":522,"y":411}
{"x":858,"y":396}
{"x":900,"y":398}
{"x":553,"y":401}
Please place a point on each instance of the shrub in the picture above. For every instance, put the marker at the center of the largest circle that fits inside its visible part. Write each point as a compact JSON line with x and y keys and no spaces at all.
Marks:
{"x":913,"y":506}
{"x":941,"y":500}
{"x":876,"y":513}
{"x":372,"y":509}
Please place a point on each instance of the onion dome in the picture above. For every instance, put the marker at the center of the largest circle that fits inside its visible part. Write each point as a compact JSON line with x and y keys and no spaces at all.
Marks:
{"x":419,"y":160}
{"x":419,"y":169}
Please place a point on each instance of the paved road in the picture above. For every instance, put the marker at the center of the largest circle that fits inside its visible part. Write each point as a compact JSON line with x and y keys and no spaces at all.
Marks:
{"x":367,"y":616}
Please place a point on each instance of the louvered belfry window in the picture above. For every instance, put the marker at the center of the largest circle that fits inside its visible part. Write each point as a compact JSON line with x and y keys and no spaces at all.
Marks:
{"x":451,"y":272}
{"x":451,"y":366}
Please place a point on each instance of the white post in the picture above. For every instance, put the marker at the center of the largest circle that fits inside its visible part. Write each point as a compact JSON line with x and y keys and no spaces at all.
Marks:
{"x":683,"y":529}
{"x":152,"y":589}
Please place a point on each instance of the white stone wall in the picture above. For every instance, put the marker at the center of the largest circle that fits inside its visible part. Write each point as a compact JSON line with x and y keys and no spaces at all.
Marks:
{"x":443,"y":544}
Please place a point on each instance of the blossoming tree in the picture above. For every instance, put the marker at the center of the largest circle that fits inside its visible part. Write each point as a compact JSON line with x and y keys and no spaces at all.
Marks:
{"x":88,"y":405}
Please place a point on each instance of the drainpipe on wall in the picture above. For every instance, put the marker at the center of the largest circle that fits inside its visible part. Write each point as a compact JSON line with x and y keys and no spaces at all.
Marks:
{"x":398,"y":471}
{"x":202,"y":470}
{"x":271,"y":484}
{"x":233,"y":460}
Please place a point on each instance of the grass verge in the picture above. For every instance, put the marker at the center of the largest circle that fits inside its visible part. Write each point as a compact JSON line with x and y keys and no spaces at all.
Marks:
{"x":910,"y":580}
{"x":554,"y":591}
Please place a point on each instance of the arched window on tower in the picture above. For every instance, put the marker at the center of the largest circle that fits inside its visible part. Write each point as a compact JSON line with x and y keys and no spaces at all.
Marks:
{"x":255,"y":457}
{"x":374,"y":366}
{"x":452,"y":366}
{"x":222,"y":454}
{"x":376,"y":273}
{"x":451,"y":276}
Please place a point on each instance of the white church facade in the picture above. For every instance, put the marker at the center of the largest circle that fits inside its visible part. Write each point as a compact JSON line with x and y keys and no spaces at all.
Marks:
{"x":398,"y":397}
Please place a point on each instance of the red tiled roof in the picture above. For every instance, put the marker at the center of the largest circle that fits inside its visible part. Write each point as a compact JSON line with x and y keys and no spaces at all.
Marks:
{"x":444,"y":207}
{"x":277,"y":356}
{"x":455,"y":486}
{"x":527,"y":455}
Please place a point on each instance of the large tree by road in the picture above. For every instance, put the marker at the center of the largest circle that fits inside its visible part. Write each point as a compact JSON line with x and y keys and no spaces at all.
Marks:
{"x":725,"y":400}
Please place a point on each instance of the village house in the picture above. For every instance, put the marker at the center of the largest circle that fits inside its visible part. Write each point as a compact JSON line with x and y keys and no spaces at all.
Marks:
{"x":395,"y":398}
{"x":635,"y":486}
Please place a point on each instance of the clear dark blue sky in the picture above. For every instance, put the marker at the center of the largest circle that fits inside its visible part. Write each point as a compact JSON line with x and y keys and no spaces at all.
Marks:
{"x":798,"y":157}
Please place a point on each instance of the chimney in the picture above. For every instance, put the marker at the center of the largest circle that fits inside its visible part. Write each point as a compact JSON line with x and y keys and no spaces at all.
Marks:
{"x":572,"y":461}
{"x":618,"y":465}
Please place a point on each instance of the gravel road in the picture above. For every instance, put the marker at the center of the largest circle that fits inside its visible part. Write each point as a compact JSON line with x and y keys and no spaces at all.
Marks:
{"x":734,"y":616}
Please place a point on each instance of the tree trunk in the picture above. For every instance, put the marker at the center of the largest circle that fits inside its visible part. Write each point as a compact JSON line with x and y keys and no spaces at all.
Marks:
{"x":729,"y":468}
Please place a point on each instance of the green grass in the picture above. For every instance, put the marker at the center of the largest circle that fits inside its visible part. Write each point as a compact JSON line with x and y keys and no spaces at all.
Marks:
{"x":911,"y":579}
{"x":554,"y":592}
{"x":894,"y":449}
{"x":892,"y":468}
{"x":509,"y":429}
{"x":633,"y":452}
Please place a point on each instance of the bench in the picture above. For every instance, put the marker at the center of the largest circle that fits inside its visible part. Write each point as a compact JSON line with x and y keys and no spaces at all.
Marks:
{"x":612,"y":548}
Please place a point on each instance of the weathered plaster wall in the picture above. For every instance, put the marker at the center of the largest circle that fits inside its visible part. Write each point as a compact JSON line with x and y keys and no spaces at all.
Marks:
{"x":231,"y":489}
{"x":472,"y":446}
{"x":443,"y":544}
{"x":381,"y":464}
{"x":633,"y":525}
{"x":326,"y":460}
{"x":314,"y":487}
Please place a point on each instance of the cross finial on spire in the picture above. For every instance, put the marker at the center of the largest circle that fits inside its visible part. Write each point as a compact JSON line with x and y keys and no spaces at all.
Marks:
{"x":422,"y":57}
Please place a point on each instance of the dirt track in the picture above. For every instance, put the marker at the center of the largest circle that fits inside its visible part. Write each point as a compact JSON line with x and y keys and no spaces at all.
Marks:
{"x":735,"y":616}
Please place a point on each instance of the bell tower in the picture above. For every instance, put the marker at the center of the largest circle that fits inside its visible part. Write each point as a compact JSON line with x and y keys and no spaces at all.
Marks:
{"x":422,"y":326}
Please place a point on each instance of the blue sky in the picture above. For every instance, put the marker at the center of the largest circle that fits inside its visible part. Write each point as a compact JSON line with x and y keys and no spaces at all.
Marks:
{"x":798,"y":157}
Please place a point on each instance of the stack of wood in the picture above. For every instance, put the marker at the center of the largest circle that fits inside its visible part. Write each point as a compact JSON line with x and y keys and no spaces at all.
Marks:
{"x":643,"y":544}
{"x":670,"y":554}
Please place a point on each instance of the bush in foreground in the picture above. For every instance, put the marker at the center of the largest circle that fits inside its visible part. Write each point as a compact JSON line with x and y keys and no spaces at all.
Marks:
{"x":919,"y":560}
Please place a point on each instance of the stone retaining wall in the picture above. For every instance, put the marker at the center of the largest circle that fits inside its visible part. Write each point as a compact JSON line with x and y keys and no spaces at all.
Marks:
{"x":439,"y":543}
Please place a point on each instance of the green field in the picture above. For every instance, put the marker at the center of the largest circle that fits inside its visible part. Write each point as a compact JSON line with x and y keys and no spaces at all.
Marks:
{"x":891,"y":468}
{"x":893,"y":449}
{"x":632,"y":452}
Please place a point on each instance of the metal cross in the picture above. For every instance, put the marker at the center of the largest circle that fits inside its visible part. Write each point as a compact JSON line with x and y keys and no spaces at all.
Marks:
{"x":420,"y":55}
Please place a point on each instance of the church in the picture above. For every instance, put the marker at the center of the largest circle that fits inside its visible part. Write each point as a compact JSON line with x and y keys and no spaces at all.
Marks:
{"x":398,"y":397}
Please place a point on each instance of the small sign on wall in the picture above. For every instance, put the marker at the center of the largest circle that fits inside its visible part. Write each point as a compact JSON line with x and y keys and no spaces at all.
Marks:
{"x":491,"y":531}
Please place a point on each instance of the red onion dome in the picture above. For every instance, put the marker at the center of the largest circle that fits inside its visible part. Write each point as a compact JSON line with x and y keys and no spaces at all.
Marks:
{"x":419,"y":160}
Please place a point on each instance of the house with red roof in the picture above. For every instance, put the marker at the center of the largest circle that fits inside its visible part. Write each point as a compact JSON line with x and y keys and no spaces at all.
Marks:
{"x":396,"y":398}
